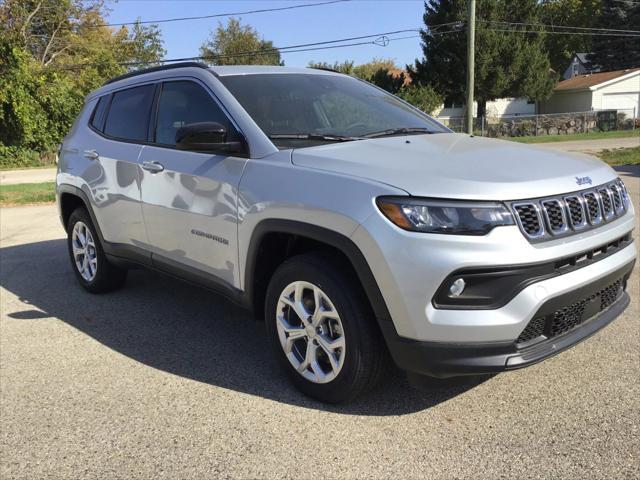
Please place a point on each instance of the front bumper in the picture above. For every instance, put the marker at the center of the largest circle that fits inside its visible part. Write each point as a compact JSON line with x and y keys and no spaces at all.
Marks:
{"x":450,"y":359}
{"x":410,"y":267}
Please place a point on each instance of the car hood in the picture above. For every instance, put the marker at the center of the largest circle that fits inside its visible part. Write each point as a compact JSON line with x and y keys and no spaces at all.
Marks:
{"x":449,"y":165}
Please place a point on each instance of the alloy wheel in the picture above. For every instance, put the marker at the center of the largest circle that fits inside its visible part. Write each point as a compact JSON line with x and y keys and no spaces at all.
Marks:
{"x":84,"y":251}
{"x":310,"y":332}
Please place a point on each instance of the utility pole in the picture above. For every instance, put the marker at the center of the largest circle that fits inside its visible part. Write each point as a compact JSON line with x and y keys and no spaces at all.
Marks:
{"x":471,"y":45}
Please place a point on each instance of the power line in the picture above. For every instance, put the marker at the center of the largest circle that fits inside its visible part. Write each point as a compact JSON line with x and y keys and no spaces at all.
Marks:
{"x":380,"y":39}
{"x":547,"y":32}
{"x":218,"y":15}
{"x":565,"y":27}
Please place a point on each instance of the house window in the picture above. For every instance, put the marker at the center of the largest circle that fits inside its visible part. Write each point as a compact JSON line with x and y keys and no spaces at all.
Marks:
{"x":452,"y":104}
{"x":574,"y":68}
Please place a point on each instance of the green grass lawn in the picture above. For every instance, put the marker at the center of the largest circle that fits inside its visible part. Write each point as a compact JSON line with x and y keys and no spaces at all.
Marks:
{"x":26,"y":193}
{"x":621,"y":156}
{"x":576,"y":136}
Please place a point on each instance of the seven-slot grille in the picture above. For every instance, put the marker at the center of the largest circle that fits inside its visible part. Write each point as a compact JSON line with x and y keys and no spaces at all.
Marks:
{"x":545,"y":218}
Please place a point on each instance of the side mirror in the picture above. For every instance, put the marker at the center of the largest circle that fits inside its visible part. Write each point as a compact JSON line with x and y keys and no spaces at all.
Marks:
{"x":206,"y":137}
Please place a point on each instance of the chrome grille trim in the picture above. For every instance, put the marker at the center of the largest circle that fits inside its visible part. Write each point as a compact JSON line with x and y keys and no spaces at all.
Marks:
{"x":577,"y":202}
{"x":551,"y":209}
{"x":594,"y":208}
{"x":524,"y":212}
{"x":606,"y":203}
{"x":556,"y":216}
{"x":616,"y":195}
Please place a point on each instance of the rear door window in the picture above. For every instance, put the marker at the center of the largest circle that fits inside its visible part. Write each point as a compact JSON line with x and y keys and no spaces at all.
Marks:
{"x":182,"y":103}
{"x":128,"y":117}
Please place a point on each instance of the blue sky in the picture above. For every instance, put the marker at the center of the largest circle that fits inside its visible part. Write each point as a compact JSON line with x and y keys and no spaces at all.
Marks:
{"x":289,"y":27}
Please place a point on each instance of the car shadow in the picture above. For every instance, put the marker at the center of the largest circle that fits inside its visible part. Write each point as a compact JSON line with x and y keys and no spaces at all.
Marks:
{"x":184,"y":330}
{"x":628,"y":170}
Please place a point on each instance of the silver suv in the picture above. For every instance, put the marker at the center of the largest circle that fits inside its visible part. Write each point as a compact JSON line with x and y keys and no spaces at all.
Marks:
{"x":358,"y":227}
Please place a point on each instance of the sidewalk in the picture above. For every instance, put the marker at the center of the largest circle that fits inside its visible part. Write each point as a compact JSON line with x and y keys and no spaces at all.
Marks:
{"x":592,"y":146}
{"x":31,"y":175}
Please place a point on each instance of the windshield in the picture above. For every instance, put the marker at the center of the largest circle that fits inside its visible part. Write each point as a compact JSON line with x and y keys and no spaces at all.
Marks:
{"x":306,"y":109}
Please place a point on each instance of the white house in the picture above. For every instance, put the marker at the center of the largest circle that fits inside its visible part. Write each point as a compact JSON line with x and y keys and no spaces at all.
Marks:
{"x":617,"y":90}
{"x":495,"y":108}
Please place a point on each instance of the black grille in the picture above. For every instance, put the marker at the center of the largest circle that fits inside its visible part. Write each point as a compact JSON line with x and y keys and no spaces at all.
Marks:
{"x":529,"y":218}
{"x":592,"y":206}
{"x":575,"y":210}
{"x":553,"y":209}
{"x":606,"y":202}
{"x":533,"y":330}
{"x":567,"y":318}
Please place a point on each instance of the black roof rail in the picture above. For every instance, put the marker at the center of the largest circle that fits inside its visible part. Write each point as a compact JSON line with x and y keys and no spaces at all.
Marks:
{"x":156,"y":69}
{"x":325,"y":69}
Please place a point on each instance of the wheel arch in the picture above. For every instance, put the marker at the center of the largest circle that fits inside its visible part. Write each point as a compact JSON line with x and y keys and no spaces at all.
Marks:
{"x":71,"y":197}
{"x":258,"y":268}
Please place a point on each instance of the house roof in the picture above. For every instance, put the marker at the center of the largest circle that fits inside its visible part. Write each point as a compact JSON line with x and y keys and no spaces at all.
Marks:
{"x":582,"y":57}
{"x":587,"y":82}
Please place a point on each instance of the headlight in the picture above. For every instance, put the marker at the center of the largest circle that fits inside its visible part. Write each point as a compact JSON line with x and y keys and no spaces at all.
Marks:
{"x":444,"y":216}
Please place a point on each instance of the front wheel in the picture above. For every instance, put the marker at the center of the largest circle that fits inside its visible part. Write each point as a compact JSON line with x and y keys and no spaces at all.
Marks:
{"x":322,"y":329}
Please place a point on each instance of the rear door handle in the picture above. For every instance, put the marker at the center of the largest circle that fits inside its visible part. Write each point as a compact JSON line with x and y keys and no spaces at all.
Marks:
{"x":153,"y":167}
{"x":90,"y":154}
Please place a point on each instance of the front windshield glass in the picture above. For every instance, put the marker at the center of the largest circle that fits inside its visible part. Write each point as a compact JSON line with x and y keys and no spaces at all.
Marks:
{"x":304,"y":109}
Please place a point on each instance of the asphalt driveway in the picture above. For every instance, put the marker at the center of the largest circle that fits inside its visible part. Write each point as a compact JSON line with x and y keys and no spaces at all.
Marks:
{"x":161,"y":379}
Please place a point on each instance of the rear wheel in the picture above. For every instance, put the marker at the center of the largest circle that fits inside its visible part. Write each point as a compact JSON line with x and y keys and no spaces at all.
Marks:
{"x":322,"y":329}
{"x":90,"y":265}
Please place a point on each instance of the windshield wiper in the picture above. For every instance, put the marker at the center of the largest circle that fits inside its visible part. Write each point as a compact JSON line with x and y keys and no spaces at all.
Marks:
{"x":397,"y":131}
{"x":312,"y":136}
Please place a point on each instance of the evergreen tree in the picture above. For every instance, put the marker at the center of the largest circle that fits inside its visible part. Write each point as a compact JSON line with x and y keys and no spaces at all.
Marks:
{"x":620,"y":51}
{"x":507,"y":64}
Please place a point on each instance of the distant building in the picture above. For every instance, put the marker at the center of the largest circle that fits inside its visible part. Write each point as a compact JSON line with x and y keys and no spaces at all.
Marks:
{"x":578,"y":66}
{"x":617,"y":90}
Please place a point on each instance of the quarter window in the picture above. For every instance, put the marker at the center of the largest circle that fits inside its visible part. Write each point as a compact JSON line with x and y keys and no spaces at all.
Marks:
{"x":182,"y":103}
{"x":128,"y":116}
{"x":97,"y":120}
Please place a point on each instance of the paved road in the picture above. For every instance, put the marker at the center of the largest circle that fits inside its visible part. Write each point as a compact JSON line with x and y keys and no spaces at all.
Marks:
{"x":29,"y":175}
{"x":592,"y":146}
{"x":164,"y":380}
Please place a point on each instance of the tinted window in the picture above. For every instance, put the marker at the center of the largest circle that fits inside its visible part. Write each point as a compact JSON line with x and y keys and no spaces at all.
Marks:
{"x":97,"y":120}
{"x":182,"y":103}
{"x":301,"y":104}
{"x":128,"y":116}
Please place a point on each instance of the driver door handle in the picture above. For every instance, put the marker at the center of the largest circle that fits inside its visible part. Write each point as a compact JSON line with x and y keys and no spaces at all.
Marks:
{"x":90,"y":154}
{"x":153,"y":167}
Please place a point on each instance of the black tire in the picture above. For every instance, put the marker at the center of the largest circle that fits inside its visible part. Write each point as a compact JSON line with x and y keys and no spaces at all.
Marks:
{"x":366,"y":358}
{"x":107,"y":277}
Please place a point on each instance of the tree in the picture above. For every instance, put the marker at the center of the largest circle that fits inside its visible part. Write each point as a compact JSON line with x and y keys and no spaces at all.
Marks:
{"x":238,"y":44}
{"x":346,"y":67}
{"x":508,"y":64}
{"x":381,"y":72}
{"x":422,"y":97}
{"x":52,"y":53}
{"x":617,"y":52}
{"x":572,"y":13}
